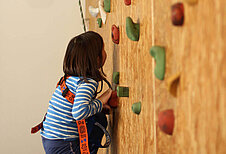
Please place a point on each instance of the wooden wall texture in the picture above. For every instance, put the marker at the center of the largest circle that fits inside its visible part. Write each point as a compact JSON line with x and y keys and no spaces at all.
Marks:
{"x":197,"y":50}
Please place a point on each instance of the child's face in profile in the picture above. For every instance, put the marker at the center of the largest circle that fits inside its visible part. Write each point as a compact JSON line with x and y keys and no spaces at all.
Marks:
{"x":104,"y":56}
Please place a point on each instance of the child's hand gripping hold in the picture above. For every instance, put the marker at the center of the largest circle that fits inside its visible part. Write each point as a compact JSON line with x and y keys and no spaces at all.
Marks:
{"x":104,"y":99}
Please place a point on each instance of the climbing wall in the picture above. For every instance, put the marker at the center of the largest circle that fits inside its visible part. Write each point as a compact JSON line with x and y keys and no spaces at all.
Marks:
{"x":195,"y":50}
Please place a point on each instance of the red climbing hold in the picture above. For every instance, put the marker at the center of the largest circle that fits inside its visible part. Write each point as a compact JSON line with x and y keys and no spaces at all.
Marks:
{"x":115,"y":34}
{"x":127,"y":2}
{"x":166,"y":121}
{"x":113,"y":101}
{"x":177,"y":14}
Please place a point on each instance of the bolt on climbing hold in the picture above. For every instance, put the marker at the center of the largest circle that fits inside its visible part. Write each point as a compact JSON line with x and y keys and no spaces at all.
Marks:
{"x":115,"y":34}
{"x":132,"y":29}
{"x":159,"y":55}
{"x":173,"y":83}
{"x":113,"y":100}
{"x":177,"y":14}
{"x":136,"y":107}
{"x":192,"y":2}
{"x":166,"y":121}
{"x":99,"y":22}
{"x":107,"y":5}
{"x":127,"y":2}
{"x":116,"y":77}
{"x":122,"y":91}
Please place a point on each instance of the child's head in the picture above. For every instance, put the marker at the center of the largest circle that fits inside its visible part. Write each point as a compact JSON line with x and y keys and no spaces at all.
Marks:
{"x":85,"y":56}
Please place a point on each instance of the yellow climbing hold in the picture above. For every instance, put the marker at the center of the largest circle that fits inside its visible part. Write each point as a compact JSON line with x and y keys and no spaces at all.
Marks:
{"x":173,"y":83}
{"x":191,"y":1}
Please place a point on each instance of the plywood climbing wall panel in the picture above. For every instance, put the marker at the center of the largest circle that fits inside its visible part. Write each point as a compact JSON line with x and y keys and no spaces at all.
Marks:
{"x":162,"y":32}
{"x":196,"y":50}
{"x":131,"y":133}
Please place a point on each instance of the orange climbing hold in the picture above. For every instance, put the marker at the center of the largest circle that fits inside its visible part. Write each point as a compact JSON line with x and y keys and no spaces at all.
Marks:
{"x":113,"y":101}
{"x":177,"y":14}
{"x":127,"y":2}
{"x":166,"y":121}
{"x":115,"y":34}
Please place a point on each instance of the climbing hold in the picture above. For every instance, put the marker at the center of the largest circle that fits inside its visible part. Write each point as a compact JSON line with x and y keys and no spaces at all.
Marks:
{"x":107,"y":5}
{"x":99,"y":22}
{"x":93,"y":11}
{"x":115,"y":34}
{"x":102,"y":12}
{"x":173,"y":82}
{"x":113,"y":100}
{"x":116,"y":77}
{"x":192,"y":2}
{"x":159,"y":55}
{"x":127,"y":2}
{"x":166,"y":121}
{"x":132,"y":29}
{"x":122,"y":91}
{"x":177,"y":14}
{"x":136,"y":107}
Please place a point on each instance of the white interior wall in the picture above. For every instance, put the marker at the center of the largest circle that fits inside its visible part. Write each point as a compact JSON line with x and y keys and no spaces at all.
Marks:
{"x":33,"y":38}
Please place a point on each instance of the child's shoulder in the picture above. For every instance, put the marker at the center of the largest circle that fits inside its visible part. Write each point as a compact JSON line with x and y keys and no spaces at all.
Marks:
{"x":74,"y":79}
{"x":78,"y":80}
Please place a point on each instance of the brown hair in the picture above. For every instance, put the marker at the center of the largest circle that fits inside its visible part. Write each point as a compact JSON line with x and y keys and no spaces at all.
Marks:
{"x":81,"y":58}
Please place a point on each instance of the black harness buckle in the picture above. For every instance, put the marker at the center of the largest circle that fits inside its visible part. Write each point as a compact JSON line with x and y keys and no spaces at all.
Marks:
{"x":65,"y":92}
{"x":61,"y":81}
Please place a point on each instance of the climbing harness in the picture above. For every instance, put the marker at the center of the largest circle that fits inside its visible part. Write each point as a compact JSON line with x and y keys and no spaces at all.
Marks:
{"x":81,"y":124}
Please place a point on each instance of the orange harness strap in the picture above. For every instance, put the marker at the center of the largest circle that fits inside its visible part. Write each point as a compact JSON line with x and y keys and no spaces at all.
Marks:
{"x":82,"y":129}
{"x":83,"y":136}
{"x":66,"y":93}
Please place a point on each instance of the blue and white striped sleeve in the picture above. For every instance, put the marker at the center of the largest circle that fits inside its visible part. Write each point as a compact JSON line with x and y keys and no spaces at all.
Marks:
{"x":84,"y":106}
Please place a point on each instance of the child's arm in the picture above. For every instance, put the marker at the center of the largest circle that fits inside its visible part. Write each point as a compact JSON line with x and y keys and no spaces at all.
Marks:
{"x":84,"y":106}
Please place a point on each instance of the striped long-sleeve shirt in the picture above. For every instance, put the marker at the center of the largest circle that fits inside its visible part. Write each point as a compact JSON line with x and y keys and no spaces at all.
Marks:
{"x":60,"y":122}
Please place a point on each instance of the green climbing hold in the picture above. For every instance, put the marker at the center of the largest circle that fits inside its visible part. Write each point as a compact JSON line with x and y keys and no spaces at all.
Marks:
{"x":107,"y":5}
{"x":122,"y":91}
{"x":99,"y":22}
{"x":132,"y":29}
{"x":159,"y":55}
{"x":136,"y":107}
{"x":116,"y":77}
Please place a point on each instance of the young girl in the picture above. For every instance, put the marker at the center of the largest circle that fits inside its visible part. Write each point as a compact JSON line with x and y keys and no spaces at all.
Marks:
{"x":83,"y":62}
